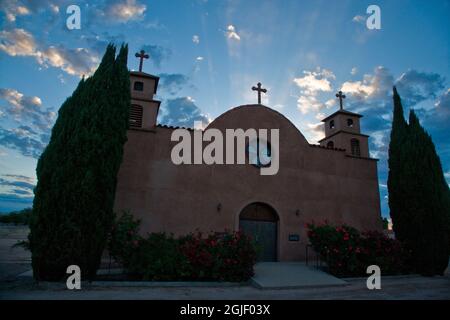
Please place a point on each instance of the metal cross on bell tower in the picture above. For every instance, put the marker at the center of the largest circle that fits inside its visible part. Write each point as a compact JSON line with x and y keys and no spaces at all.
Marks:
{"x":341,"y":97}
{"x":259,"y":89}
{"x":141,"y":55}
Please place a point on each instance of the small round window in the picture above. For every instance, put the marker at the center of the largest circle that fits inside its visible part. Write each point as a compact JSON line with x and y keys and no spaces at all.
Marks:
{"x":259,"y":153}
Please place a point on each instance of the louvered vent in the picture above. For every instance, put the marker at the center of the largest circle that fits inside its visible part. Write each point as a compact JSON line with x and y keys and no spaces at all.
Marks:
{"x":136,"y":116}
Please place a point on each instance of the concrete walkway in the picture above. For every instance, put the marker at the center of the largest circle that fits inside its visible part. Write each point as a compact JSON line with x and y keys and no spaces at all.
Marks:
{"x":290,"y":275}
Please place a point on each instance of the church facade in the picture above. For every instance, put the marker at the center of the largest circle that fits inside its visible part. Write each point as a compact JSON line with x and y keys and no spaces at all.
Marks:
{"x":335,"y":180}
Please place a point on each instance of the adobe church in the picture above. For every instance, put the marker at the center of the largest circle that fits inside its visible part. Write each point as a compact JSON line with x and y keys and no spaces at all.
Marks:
{"x":335,"y":180}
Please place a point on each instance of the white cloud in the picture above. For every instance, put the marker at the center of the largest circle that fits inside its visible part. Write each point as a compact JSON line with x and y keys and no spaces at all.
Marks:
{"x":19,"y":42}
{"x":371,"y":86}
{"x":375,"y":90}
{"x":359,"y":19}
{"x":33,"y":123}
{"x":379,"y":139}
{"x":330,"y":103}
{"x":416,"y":86}
{"x":12,"y":9}
{"x":443,"y":106}
{"x":232,"y":34}
{"x":61,"y":78}
{"x":372,"y":97}
{"x":309,"y":103}
{"x":124,"y":11}
{"x":196,"y":39}
{"x":311,"y":84}
{"x":77,"y":61}
{"x":181,"y":111}
{"x":320,"y":116}
{"x":354,"y":71}
{"x":54,"y":8}
{"x":358,"y":87}
{"x":199,"y":58}
{"x":315,"y":81}
{"x":21,"y":107}
{"x":18,"y":100}
{"x":316,"y":131}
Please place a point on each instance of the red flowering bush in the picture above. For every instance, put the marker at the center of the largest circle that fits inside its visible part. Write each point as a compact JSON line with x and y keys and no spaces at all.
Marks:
{"x":347,"y":252}
{"x":158,"y":257}
{"x":228,"y":256}
{"x":387,"y":253}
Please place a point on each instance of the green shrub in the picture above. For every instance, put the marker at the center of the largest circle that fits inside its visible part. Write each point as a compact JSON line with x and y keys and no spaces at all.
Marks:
{"x":17,"y":217}
{"x":347,"y":252}
{"x":124,"y":238}
{"x":228,"y":256}
{"x":158,"y":257}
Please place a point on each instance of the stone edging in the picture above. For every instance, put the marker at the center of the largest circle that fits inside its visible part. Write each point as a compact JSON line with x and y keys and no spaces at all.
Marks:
{"x":400,"y":276}
{"x":143,"y":284}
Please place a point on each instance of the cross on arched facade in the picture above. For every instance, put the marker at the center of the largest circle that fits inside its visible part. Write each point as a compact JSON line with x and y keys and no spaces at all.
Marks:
{"x":141,"y":55}
{"x":341,"y":97}
{"x":259,"y":89}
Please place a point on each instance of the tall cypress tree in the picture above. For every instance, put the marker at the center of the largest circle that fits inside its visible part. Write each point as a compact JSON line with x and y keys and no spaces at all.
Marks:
{"x":397,"y":186}
{"x":72,"y":208}
{"x":428,"y":201}
{"x":419,"y":197}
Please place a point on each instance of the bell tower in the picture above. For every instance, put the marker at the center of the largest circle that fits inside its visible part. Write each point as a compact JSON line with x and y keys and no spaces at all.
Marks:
{"x":343,"y":131}
{"x":144,"y":109}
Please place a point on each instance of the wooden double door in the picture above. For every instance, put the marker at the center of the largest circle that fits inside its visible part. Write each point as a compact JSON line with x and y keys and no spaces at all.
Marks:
{"x":260,"y":221}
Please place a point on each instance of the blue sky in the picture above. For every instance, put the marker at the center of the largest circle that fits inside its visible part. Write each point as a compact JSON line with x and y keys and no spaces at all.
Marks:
{"x":209,"y":54}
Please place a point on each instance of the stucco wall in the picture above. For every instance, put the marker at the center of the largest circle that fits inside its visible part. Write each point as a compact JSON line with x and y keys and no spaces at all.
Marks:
{"x":314,"y":182}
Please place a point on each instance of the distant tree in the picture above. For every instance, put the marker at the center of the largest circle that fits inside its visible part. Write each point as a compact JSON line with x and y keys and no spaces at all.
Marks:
{"x":16,"y":217}
{"x":74,"y":196}
{"x":419,"y":197}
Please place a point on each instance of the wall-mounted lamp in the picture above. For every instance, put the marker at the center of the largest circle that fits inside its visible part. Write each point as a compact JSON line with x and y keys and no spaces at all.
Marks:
{"x":219,"y":207}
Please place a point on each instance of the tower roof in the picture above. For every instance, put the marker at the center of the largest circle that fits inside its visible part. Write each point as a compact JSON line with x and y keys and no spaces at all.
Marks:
{"x":342,"y":111}
{"x":146,"y":75}
{"x":344,"y":131}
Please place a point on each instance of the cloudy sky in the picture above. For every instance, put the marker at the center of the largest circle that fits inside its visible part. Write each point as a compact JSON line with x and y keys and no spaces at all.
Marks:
{"x":210,"y":53}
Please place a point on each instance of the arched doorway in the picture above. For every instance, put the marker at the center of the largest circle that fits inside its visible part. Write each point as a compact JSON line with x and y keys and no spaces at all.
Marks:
{"x":260,"y":221}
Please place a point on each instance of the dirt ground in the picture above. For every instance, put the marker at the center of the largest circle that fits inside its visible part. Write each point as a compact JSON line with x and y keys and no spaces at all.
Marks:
{"x":15,"y":261}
